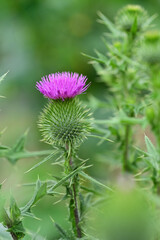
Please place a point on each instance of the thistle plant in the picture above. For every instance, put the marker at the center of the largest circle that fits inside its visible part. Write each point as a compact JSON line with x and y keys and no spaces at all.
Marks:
{"x":130,"y":69}
{"x":64,"y":124}
{"x":124,"y":74}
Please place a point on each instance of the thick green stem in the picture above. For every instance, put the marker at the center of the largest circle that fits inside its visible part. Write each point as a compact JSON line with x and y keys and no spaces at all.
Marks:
{"x":73,"y":189}
{"x":126,"y":148}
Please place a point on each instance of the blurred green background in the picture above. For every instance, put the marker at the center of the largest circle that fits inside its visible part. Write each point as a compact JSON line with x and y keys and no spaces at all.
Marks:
{"x":39,"y":37}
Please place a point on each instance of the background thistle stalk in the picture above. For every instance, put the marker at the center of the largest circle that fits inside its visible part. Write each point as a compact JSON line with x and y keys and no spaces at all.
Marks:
{"x":121,"y":71}
{"x":64,"y":124}
{"x":130,"y":19}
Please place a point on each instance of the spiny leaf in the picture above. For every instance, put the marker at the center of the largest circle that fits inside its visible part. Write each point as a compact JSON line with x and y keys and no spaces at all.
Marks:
{"x":95,"y":181}
{"x":104,"y":20}
{"x":64,"y":179}
{"x":15,"y":212}
{"x":150,"y":147}
{"x":102,"y":56}
{"x":49,"y":183}
{"x":85,"y":203}
{"x":61,"y":231}
{"x":13,"y":157}
{"x":30,"y":214}
{"x":100,"y":137}
{"x":94,"y":58}
{"x":19,"y":146}
{"x":121,"y":119}
{"x":89,"y":190}
{"x":14,"y":222}
{"x":123,"y":57}
{"x":152,"y":152}
{"x":13,"y":154}
{"x":43,"y":161}
{"x":40,"y":191}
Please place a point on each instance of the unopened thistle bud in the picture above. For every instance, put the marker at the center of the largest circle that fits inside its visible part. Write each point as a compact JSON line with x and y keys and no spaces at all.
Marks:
{"x":150,"y":50}
{"x":127,"y":16}
{"x":152,"y":36}
{"x":64,"y":120}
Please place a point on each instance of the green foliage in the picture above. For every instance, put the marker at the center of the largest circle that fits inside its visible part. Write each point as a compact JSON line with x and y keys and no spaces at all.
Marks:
{"x":64,"y":122}
{"x":40,"y":192}
{"x":18,"y":151}
{"x":15,"y":217}
{"x":13,"y":220}
{"x":62,"y":232}
{"x":12,"y":153}
{"x":153,"y":155}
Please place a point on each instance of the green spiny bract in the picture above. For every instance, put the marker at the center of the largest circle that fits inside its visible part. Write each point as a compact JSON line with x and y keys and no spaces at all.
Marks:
{"x":127,"y":16}
{"x":64,"y":122}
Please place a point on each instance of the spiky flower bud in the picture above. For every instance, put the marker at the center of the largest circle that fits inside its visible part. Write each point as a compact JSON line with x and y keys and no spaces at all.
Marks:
{"x":64,"y":120}
{"x":127,"y":16}
{"x":64,"y":123}
{"x":150,"y":50}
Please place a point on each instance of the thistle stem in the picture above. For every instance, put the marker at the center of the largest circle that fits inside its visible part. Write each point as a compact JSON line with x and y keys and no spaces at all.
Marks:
{"x":74,"y":211}
{"x":126,"y":148}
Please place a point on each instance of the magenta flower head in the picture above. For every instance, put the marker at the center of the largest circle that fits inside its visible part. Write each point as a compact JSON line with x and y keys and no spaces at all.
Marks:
{"x":64,"y":121}
{"x":62,"y":85}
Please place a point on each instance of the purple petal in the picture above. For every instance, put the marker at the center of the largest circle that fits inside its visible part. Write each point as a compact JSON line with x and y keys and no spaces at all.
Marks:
{"x":62,"y":85}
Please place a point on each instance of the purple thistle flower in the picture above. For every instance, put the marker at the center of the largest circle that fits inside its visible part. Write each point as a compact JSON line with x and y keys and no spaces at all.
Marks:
{"x":62,"y":85}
